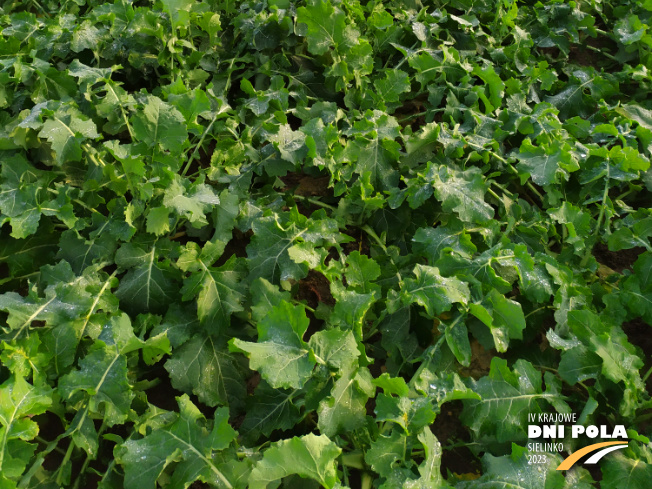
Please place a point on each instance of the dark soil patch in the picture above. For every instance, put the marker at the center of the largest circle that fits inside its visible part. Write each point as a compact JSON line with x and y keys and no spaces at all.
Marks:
{"x":237,"y":246}
{"x":162,"y":395}
{"x":4,"y":270}
{"x":616,"y":260}
{"x":551,"y":53}
{"x":199,"y":485}
{"x":294,"y":122}
{"x":642,"y":200}
{"x":315,"y":288}
{"x":583,"y":55}
{"x":412,"y":112}
{"x":480,"y":361}
{"x":639,"y":333}
{"x":306,"y":185}
{"x":202,"y":159}
{"x":49,"y":428}
{"x":252,"y":383}
{"x":361,"y":243}
{"x":449,"y":431}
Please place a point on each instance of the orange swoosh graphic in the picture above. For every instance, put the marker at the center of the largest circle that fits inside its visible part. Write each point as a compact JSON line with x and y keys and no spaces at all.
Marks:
{"x":574,"y":457}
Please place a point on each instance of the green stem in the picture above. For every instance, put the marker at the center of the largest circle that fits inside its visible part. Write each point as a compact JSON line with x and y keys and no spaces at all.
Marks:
{"x":54,"y":447}
{"x":400,"y":121}
{"x":84,"y":466}
{"x":367,"y":229}
{"x":501,"y":187}
{"x":314,"y":201}
{"x":494,"y":195}
{"x":40,"y":7}
{"x":85,"y":206}
{"x":354,"y":460}
{"x":109,"y":469}
{"x":122,"y":110}
{"x":537,"y":310}
{"x":88,"y":459}
{"x":65,"y":462}
{"x":201,"y":141}
{"x":515,"y":172}
{"x":400,"y":63}
{"x":92,"y":155}
{"x":603,"y":53}
{"x":367,"y":481}
{"x":647,"y":374}
{"x":605,"y":195}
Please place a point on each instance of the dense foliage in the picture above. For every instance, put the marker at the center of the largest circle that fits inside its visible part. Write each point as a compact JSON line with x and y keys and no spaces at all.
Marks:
{"x":329,"y":243}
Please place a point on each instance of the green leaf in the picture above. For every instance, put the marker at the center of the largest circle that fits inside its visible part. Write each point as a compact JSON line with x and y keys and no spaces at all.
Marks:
{"x":374,"y":150}
{"x":435,"y":293}
{"x":430,"y":468}
{"x":627,"y":237}
{"x":461,"y":192}
{"x":102,"y":374}
{"x":514,"y":471}
{"x":578,"y":96}
{"x":411,"y":414}
{"x":52,"y":309}
{"x":630,"y":30}
{"x":335,"y":347}
{"x":265,"y":296}
{"x":535,"y":282}
{"x":442,"y":387}
{"x":545,"y":164}
{"x":22,"y":357}
{"x":160,"y":125}
{"x":193,"y":203}
{"x":20,"y":189}
{"x":86,"y":36}
{"x":81,"y":253}
{"x":19,"y":401}
{"x":578,"y":224}
{"x":579,"y":364}
{"x":66,"y":130}
{"x":625,"y":472}
{"x":289,"y":143}
{"x":350,"y":309}
{"x":24,"y":256}
{"x":495,"y":85}
{"x":324,"y":26}
{"x":636,"y":113}
{"x":310,"y":456}
{"x":344,"y":410}
{"x":148,"y":285}
{"x":393,"y":85}
{"x":158,"y":221}
{"x":504,"y":317}
{"x":203,"y":366}
{"x":430,"y":242}
{"x":361,"y":271}
{"x":270,"y":409}
{"x":275,"y":235}
{"x":507,"y":395}
{"x":219,"y":290}
{"x":190,"y":441}
{"x":385,"y":452}
{"x":282,"y":357}
{"x":192,"y":104}
{"x":457,"y":339}
{"x":178,"y":11}
{"x":620,"y":362}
